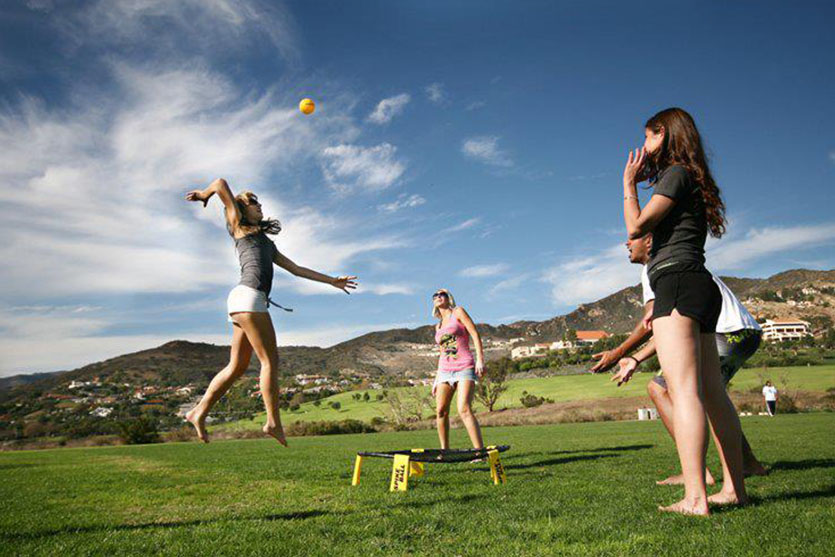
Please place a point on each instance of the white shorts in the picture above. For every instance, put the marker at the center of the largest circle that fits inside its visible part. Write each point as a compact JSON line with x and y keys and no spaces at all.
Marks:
{"x":246,"y":298}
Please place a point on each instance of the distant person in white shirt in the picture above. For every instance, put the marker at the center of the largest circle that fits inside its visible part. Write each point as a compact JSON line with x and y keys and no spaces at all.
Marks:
{"x":738,"y":336}
{"x":770,"y":394}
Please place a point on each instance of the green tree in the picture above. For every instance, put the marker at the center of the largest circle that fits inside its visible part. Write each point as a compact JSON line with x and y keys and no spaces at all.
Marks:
{"x":493,"y":382}
{"x":139,"y":431}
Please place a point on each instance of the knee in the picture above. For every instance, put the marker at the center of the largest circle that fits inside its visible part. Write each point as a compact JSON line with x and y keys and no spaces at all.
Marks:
{"x":442,"y":412}
{"x":237,"y":367}
{"x":654,"y":390}
{"x":465,"y":411}
{"x":268,"y":363}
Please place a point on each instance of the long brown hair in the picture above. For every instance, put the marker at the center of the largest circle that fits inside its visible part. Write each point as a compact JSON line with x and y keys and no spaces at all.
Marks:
{"x":683,"y":147}
{"x":267,"y":226}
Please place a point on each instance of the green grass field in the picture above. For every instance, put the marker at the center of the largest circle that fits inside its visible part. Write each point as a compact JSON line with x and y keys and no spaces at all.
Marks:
{"x":573,"y":489}
{"x":558,"y":388}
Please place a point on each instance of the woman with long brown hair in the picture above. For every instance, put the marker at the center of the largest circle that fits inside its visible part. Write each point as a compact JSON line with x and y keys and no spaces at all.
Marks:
{"x":248,"y":303}
{"x":684,"y":207}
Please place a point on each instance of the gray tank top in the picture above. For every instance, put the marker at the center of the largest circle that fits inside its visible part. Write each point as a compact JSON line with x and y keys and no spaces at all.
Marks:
{"x":256,"y":253}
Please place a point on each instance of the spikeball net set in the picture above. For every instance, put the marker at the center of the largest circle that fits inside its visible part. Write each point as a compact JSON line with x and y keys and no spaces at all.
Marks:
{"x":412,"y":463}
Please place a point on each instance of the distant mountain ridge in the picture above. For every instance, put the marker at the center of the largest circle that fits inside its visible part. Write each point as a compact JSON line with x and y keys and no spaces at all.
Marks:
{"x":808,"y":294}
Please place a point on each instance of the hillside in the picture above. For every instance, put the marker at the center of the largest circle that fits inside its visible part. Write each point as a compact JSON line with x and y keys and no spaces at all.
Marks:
{"x":408,"y":352}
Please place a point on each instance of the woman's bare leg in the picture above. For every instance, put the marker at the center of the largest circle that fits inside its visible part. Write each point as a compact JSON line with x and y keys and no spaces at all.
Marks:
{"x":261,"y":334}
{"x":466,"y":391}
{"x":679,"y":352}
{"x":725,"y":424}
{"x":664,"y":404}
{"x":239,"y":357}
{"x":443,"y":398}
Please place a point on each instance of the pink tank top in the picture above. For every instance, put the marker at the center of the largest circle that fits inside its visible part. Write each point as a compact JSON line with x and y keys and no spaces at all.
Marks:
{"x":454,"y":341}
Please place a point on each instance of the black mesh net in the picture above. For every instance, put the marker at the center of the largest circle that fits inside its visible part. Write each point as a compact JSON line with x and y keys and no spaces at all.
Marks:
{"x":438,"y":455}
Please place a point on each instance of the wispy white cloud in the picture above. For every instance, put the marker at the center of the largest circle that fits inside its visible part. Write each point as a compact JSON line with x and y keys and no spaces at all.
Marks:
{"x":389,"y":108}
{"x":436,"y":93}
{"x":404,"y":201}
{"x":386,"y":289}
{"x":486,"y":149}
{"x":351,"y":167}
{"x":475,"y":105}
{"x":832,"y":156}
{"x":469,"y":223}
{"x":478,"y":271}
{"x":202,"y":26}
{"x":589,"y":278}
{"x":509,"y":284}
{"x":736,"y":252}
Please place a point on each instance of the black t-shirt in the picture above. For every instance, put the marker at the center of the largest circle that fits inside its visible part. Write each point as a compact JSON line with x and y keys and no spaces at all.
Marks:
{"x":680,"y":236}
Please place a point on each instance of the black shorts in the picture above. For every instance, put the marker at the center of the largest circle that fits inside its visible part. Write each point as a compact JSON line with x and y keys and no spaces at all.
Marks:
{"x":692,"y":292}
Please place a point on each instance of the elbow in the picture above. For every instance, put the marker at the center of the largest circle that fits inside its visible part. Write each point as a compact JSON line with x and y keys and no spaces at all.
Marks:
{"x":634,"y":231}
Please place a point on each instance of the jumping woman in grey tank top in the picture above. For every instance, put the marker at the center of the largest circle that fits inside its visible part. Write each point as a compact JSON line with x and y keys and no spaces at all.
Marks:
{"x":248,"y":303}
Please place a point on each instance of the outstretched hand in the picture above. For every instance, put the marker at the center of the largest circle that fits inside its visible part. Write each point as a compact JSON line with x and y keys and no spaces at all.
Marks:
{"x":627,"y":368}
{"x":607,"y":358}
{"x":345,"y":283}
{"x":197,"y":195}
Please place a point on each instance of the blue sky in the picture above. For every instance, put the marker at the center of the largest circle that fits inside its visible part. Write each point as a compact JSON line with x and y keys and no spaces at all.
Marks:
{"x":475,"y":145}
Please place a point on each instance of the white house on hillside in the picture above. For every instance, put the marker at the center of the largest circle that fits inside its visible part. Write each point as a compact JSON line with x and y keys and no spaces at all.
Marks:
{"x":777,"y":331}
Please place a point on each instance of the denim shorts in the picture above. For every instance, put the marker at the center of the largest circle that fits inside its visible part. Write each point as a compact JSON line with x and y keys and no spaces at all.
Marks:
{"x":453,"y":377}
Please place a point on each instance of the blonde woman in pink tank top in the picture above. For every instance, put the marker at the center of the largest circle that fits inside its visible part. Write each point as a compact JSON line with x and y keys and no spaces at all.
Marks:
{"x":457,"y":369}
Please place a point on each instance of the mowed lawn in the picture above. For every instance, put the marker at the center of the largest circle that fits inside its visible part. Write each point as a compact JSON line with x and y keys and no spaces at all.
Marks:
{"x":573,"y":489}
{"x":558,"y":388}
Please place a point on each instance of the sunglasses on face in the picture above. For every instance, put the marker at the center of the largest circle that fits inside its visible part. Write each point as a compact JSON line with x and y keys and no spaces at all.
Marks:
{"x":439,"y":295}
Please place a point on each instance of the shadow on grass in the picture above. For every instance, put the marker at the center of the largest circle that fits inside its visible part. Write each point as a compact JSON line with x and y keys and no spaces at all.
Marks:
{"x":808,"y":464}
{"x":555,"y":461}
{"x":620,"y":448}
{"x":31,"y":536}
{"x":757,"y":501}
{"x":602,"y":452}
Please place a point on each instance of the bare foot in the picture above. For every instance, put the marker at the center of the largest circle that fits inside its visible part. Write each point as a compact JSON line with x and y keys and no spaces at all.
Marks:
{"x":679,"y":479}
{"x":275,"y":431}
{"x":199,"y":423}
{"x":723,"y":498}
{"x":756,"y":469}
{"x":692,"y":508}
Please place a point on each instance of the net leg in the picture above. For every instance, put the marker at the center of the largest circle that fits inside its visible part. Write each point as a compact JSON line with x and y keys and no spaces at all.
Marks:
{"x":416,"y":469}
{"x":357,"y":469}
{"x":400,"y":473}
{"x":497,"y":473}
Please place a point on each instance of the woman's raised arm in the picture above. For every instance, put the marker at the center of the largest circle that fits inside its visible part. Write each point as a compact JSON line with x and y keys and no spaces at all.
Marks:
{"x":221,"y":188}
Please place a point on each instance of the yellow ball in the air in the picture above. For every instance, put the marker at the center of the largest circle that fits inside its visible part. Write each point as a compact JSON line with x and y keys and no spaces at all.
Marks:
{"x":307,"y":106}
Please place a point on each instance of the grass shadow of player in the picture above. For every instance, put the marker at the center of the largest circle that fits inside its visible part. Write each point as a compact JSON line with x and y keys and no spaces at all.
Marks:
{"x":756,"y":500}
{"x":620,"y":448}
{"x":808,"y":464}
{"x":556,"y":461}
{"x":24,"y":536}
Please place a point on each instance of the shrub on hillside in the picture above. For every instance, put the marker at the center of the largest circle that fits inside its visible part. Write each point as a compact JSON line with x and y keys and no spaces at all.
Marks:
{"x":787,"y":404}
{"x":300,"y":429}
{"x":139,"y":431}
{"x":530,"y":401}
